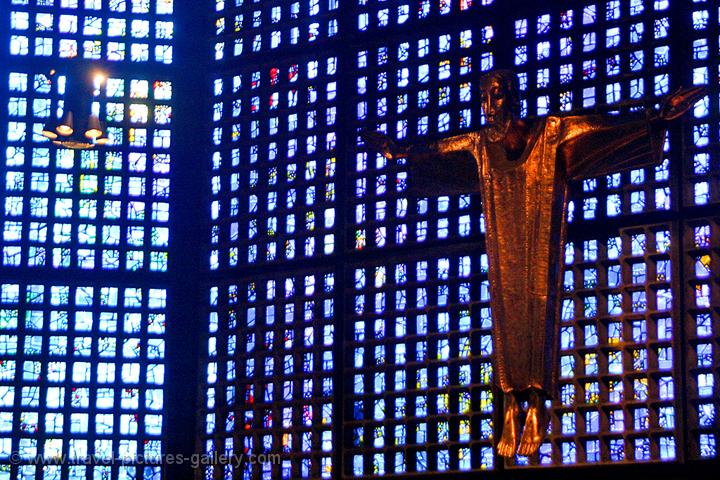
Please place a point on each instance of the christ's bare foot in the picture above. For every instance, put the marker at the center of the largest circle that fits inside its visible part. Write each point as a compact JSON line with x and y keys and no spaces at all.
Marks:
{"x":533,"y":433}
{"x":508,"y":441}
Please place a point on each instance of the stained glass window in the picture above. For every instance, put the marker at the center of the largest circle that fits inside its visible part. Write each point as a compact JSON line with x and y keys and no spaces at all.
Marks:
{"x":639,"y":275}
{"x":82,"y":374}
{"x":411,"y":89}
{"x":82,"y":329}
{"x":243,"y":27}
{"x":348,"y":328}
{"x":421,"y":397}
{"x":113,"y":30}
{"x":90,"y":209}
{"x":274,"y":165}
{"x":270,"y":379}
{"x":700,"y":261}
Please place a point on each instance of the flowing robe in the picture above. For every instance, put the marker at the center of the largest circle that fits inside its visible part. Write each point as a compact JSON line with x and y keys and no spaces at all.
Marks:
{"x":524,"y":203}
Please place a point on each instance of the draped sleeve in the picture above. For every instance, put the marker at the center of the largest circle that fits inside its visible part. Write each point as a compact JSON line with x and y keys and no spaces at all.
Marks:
{"x":445,"y":167}
{"x":592,"y":145}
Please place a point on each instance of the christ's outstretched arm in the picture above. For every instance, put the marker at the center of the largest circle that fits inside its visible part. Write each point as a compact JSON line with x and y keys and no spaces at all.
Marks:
{"x":389,"y":149}
{"x":443,"y":167}
{"x":592,"y":145}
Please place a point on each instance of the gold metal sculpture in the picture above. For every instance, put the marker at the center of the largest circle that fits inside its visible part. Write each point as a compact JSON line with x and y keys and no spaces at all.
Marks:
{"x":522,"y":170}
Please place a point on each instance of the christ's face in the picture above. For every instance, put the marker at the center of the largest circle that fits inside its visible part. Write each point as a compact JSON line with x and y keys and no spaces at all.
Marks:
{"x":495,"y":104}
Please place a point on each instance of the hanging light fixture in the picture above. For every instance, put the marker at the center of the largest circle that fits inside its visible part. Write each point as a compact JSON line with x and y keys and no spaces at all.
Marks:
{"x":94,"y":129}
{"x":63,"y":133}
{"x":65,"y":127}
{"x":49,"y":130}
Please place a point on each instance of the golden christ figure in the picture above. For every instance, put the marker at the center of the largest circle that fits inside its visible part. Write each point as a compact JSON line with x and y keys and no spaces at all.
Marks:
{"x":522,"y":169}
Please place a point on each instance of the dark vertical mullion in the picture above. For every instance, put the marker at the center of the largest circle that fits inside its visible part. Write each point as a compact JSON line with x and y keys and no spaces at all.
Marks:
{"x":5,"y":68}
{"x":680,"y":61}
{"x":4,"y":90}
{"x":346,"y":135}
{"x":188,"y":243}
{"x":20,"y":329}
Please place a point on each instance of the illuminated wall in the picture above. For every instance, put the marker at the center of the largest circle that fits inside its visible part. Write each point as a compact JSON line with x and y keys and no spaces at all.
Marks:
{"x":272,"y":370}
{"x":618,"y":395}
{"x":85,"y":240}
{"x":418,"y":324}
{"x":347,"y":325}
{"x":294,"y":190}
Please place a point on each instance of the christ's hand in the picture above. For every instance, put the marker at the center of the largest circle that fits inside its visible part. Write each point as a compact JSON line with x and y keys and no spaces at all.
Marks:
{"x":676,"y":104}
{"x":383,"y":144}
